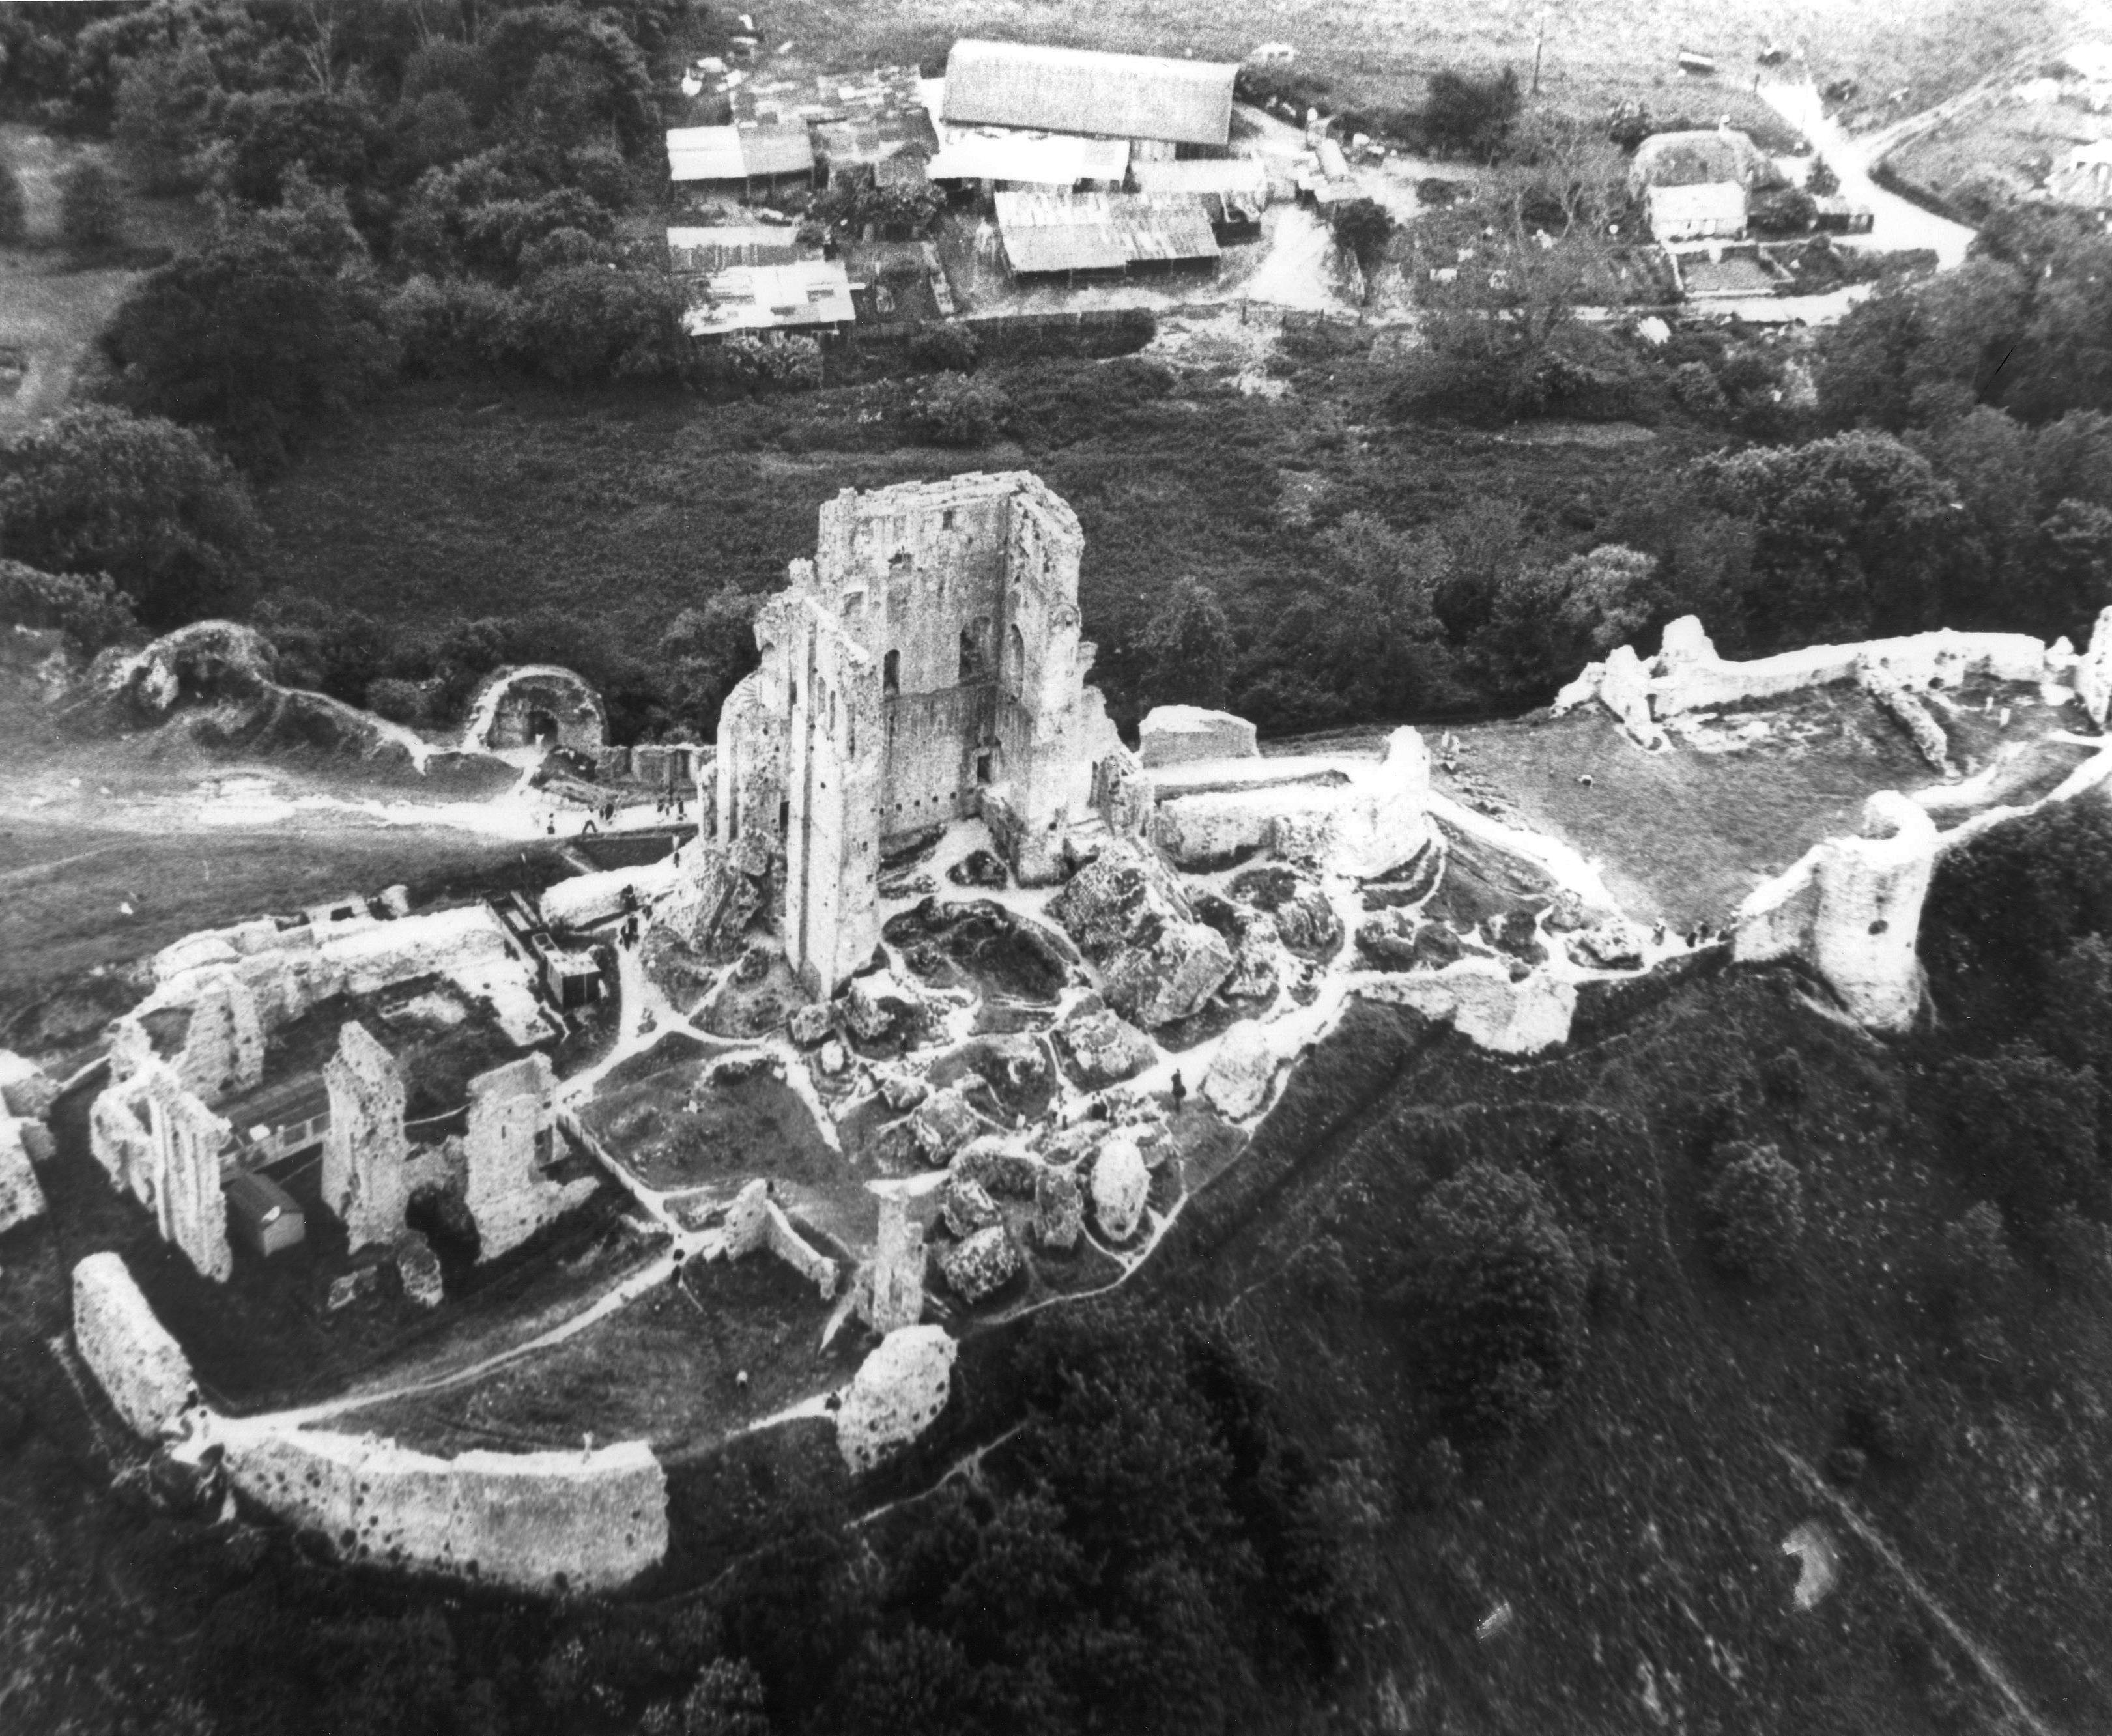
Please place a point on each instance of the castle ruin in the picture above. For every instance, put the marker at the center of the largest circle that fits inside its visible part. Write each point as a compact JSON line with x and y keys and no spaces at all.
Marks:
{"x":925,"y":666}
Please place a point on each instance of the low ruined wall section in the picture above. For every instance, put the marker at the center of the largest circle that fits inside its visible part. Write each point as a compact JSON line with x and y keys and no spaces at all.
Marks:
{"x":539,"y":1522}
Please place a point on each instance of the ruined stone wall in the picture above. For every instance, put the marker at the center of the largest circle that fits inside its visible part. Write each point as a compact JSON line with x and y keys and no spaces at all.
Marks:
{"x":540,"y":703}
{"x":510,"y":1123}
{"x":894,"y":1297}
{"x":1852,"y":908}
{"x":190,"y":1208}
{"x":363,"y":1152}
{"x":755,"y":1222}
{"x":220,"y":1052}
{"x":121,"y":1139}
{"x":1482,"y":1001}
{"x":134,"y":1360}
{"x":834,"y":773}
{"x":535,"y":1522}
{"x":933,"y":740}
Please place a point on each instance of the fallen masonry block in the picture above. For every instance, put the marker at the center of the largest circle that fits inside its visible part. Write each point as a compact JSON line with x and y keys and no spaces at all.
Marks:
{"x":1240,"y":1072}
{"x":20,"y":1197}
{"x":1121,"y":1184}
{"x":1059,"y":1209}
{"x":897,"y":1393}
{"x":982,"y":1265}
{"x":130,"y":1353}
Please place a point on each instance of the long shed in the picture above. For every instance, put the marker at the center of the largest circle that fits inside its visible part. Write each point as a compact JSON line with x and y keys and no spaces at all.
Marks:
{"x":1036,"y":88}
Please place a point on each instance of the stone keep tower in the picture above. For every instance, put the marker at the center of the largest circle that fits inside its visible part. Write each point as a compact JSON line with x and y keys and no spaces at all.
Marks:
{"x":364,"y":1151}
{"x":925,"y":665}
{"x":188,"y":1201}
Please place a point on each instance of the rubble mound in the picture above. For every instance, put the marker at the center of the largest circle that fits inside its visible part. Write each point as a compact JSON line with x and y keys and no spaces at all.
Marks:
{"x":1099,"y":1047}
{"x":981,"y":944}
{"x":1305,"y":920}
{"x":1130,"y":916}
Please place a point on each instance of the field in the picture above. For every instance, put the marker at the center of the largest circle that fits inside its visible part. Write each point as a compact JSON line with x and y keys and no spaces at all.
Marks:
{"x":1378,"y":55}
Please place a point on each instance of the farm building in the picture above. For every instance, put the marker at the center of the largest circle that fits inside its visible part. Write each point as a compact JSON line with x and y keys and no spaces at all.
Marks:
{"x":741,"y":162}
{"x":807,"y":297}
{"x":1712,"y":211}
{"x":709,"y":250}
{"x":1693,"y":159}
{"x":1162,"y":108}
{"x":1233,"y":189}
{"x":1022,"y":160}
{"x":1046,"y":234}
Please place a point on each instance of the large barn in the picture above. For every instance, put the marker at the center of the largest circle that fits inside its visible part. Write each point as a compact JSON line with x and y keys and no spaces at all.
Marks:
{"x":1163,"y":107}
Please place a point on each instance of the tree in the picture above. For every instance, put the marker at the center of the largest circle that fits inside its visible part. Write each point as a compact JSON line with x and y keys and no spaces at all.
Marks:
{"x":1548,"y":622}
{"x":711,"y":648}
{"x":1821,"y":183}
{"x":2024,"y":1128}
{"x":1363,"y":227}
{"x":95,"y":490}
{"x":274,"y":324}
{"x":590,"y":321}
{"x":1500,"y":1295}
{"x":1853,"y":536}
{"x":1188,"y":644}
{"x":88,"y":608}
{"x":1909,"y":347}
{"x":90,"y":214}
{"x":1754,"y":1214}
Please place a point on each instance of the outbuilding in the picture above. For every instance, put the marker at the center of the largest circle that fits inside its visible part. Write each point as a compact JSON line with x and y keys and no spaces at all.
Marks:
{"x":1164,"y":107}
{"x":263,"y":1216}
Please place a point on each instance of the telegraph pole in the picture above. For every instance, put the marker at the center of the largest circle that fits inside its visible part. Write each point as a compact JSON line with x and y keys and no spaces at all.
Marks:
{"x":1539,"y":43}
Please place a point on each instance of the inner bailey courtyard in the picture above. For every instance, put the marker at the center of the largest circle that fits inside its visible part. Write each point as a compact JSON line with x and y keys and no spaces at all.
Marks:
{"x":941,"y":1010}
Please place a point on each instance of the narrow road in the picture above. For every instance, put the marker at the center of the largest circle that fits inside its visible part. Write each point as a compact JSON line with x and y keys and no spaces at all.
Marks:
{"x":1899,"y":224}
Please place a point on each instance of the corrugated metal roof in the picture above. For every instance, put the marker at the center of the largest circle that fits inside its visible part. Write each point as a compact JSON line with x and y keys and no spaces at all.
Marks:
{"x":777,"y":151}
{"x":1083,"y":90}
{"x":717,"y":248}
{"x":732,"y":153}
{"x":1102,"y":231}
{"x":873,"y":138}
{"x":811,"y":292}
{"x":704,"y":153}
{"x":1031,"y":161}
{"x":1229,"y":177}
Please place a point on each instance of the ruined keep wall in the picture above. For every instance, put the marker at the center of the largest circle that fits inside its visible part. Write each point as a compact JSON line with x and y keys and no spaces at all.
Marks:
{"x":121,"y":1138}
{"x":833,"y":789}
{"x":537,"y":1522}
{"x":134,"y":1360}
{"x":364,"y":1151}
{"x":189,"y":1205}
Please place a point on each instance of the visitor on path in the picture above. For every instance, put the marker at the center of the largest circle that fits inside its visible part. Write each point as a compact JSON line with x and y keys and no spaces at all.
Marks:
{"x":1179,"y":1091}
{"x":587,"y":825}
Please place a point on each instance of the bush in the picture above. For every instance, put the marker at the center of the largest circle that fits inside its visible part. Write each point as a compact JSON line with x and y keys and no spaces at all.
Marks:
{"x":1821,"y":183}
{"x":1696,"y":390}
{"x":951,"y":348}
{"x":1188,"y":643}
{"x":1502,"y":1302}
{"x":88,"y":608}
{"x":399,"y":702}
{"x":1469,"y":115}
{"x":960,"y":411}
{"x":750,"y":362}
{"x":1753,"y":1214}
{"x":89,"y":214}
{"x":1973,"y":1263}
{"x":1363,"y":227}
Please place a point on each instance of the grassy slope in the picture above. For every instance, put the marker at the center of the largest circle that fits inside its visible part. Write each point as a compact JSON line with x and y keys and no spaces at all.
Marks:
{"x":1640,"y":1539}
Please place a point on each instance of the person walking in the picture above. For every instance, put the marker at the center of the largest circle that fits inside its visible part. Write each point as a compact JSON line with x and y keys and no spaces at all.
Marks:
{"x":1179,"y":1091}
